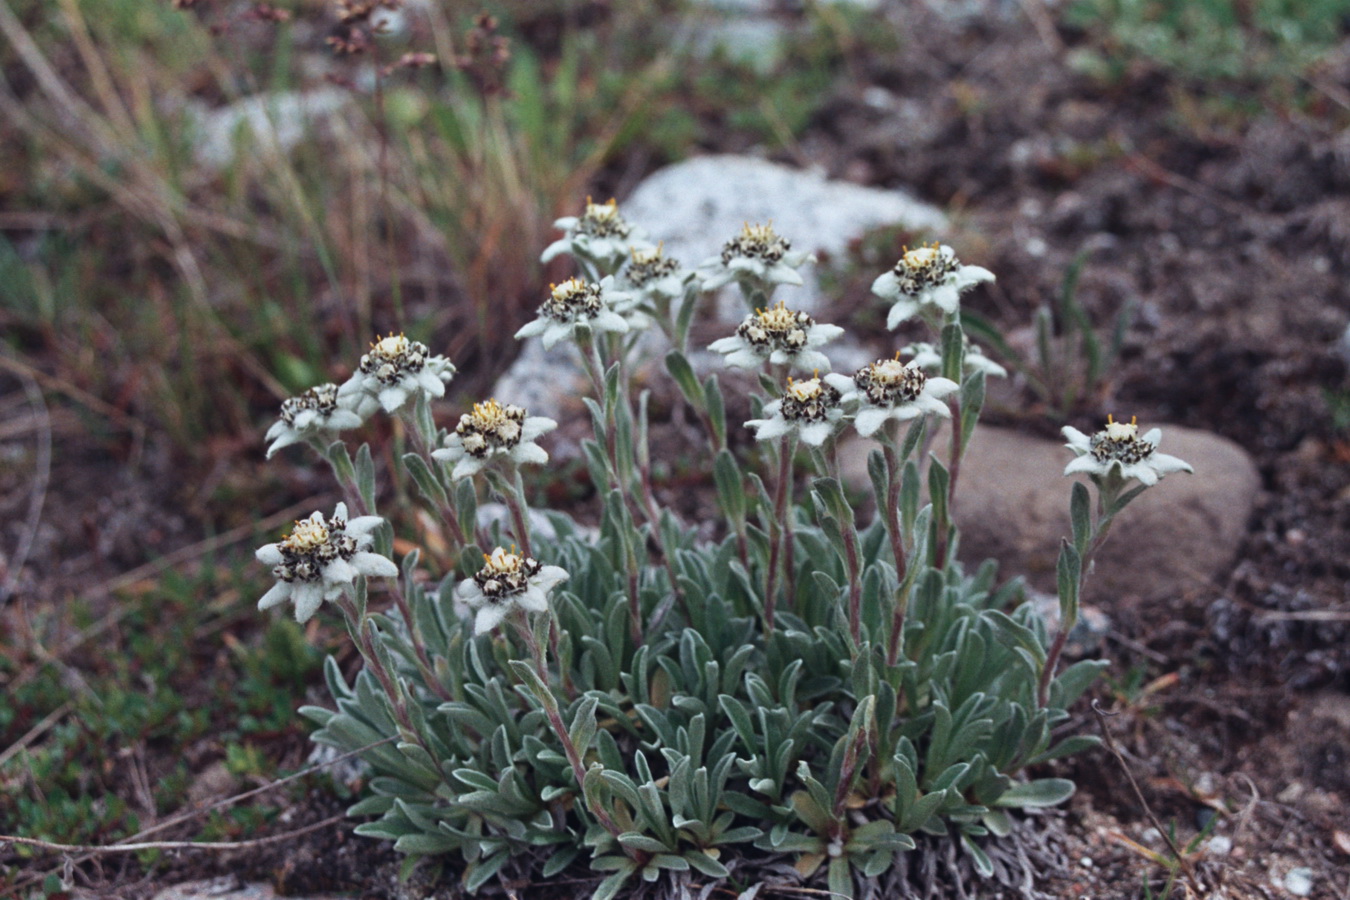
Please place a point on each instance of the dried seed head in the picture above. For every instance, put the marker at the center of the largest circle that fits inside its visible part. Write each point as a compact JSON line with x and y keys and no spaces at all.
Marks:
{"x":808,"y":400}
{"x":602,"y":220}
{"x":491,"y":427}
{"x":322,"y":399}
{"x":573,"y":300}
{"x":924,"y":267}
{"x":505,"y":574}
{"x":649,"y":265}
{"x":778,"y":328}
{"x":392,"y":357}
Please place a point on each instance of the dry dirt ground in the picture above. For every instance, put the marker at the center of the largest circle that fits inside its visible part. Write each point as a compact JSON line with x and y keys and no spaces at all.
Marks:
{"x":1229,"y":702}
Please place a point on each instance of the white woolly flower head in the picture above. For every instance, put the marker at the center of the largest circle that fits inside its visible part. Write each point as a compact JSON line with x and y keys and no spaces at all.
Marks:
{"x":313,"y":413}
{"x":652,"y":276}
{"x":395,"y":370}
{"x":1118,"y":449}
{"x":778,"y":335}
{"x":927,"y":276}
{"x":889,"y":389}
{"x":507,"y":581}
{"x":810,"y":407}
{"x":757,"y":257}
{"x":490,"y":432}
{"x":929,"y":358}
{"x":578,"y":302}
{"x":320,"y":560}
{"x":599,"y":235}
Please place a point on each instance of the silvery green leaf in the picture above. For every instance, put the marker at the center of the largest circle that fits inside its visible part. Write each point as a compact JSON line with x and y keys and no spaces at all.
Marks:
{"x":426,"y":844}
{"x":1041,"y":792}
{"x":972,"y":403}
{"x":706,"y":864}
{"x":1069,"y":574}
{"x":1080,"y":517}
{"x":671,"y":862}
{"x":840,"y":878}
{"x":880,"y":478}
{"x":365,"y":477}
{"x":952,"y":341}
{"x":425,"y":479}
{"x":978,"y":857}
{"x":1076,"y":679}
{"x":563,"y":857}
{"x":712,"y":394}
{"x":341,"y":461}
{"x":634,"y":840}
{"x":683,"y":373}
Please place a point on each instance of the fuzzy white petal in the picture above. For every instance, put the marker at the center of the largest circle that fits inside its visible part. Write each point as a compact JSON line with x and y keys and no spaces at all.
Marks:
{"x":1085,"y":464}
{"x":1141,"y":470}
{"x":308,"y":599}
{"x":926,"y":404}
{"x":550,"y":577}
{"x":871,"y":419}
{"x":727,"y":344}
{"x":529,"y":454}
{"x":844,"y":384}
{"x":431,"y":383}
{"x":940,"y":387}
{"x":718,"y":279}
{"x":277,"y":595}
{"x":1153,"y":437}
{"x":558,"y":247}
{"x":886,"y":286}
{"x":1077,"y":441}
{"x":373,"y":565}
{"x":361,"y":526}
{"x":608,"y":320}
{"x":903,"y":309}
{"x":945,"y":297}
{"x":532,"y":599}
{"x":469,"y":592}
{"x":466,"y":468}
{"x":822,"y":334}
{"x":745,"y":358}
{"x":972,"y":275}
{"x":1166,"y":465}
{"x":816,"y":433}
{"x":489,"y":617}
{"x":269,"y":554}
{"x":535,"y":426}
{"x":768,"y":429}
{"x":392,"y":397}
{"x":339,"y":571}
{"x":532,"y":328}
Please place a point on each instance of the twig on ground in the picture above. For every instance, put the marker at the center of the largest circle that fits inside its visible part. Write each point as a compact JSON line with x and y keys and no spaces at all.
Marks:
{"x":42,"y":465}
{"x":34,"y":733}
{"x":1182,"y":861}
{"x":96,"y":850}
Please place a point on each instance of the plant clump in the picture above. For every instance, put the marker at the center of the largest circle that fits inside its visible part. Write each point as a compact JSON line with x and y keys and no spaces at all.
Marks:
{"x":786,"y":696}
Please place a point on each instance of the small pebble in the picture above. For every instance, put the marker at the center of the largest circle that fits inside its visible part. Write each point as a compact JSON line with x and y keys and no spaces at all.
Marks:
{"x":1086,"y":862}
{"x":1220,"y":845}
{"x":1299,"y":882}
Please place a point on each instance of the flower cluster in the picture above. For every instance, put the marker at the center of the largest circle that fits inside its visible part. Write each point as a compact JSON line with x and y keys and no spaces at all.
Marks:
{"x":394,"y":370}
{"x":1119,"y":449}
{"x":577,"y":302}
{"x":889,"y":389}
{"x":928,"y":276}
{"x":809,"y":407}
{"x":320,"y":559}
{"x":758,"y":257}
{"x":651,"y":273}
{"x":492,"y":430}
{"x":507,"y":581}
{"x":599,"y":235}
{"x":314,"y":413}
{"x":778,"y":335}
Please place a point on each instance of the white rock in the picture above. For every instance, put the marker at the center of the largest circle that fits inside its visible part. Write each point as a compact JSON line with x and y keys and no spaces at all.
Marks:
{"x":1299,"y":882}
{"x":694,"y":207}
{"x":698,"y":205}
{"x":275,"y":123}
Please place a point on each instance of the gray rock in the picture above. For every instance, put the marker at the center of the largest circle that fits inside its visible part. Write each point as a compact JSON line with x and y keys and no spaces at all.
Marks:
{"x":1012,"y":504}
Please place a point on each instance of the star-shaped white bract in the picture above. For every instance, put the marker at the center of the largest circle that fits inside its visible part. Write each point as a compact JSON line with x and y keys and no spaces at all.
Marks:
{"x":507,"y":581}
{"x":1118,"y":448}
{"x":926,"y":276}
{"x":927,"y":357}
{"x":599,"y":235}
{"x":394,"y":370}
{"x":316,"y":412}
{"x":491,"y":432}
{"x":780,"y":336}
{"x":810,"y":408}
{"x":757,"y":257}
{"x":321,"y":559}
{"x":889,"y":389}
{"x":577,"y":302}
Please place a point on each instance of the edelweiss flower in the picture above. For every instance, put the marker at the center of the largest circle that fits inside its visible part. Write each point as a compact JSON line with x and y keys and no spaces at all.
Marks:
{"x":927,"y":357}
{"x":926,"y":276}
{"x":809,"y":407}
{"x":577,"y":302}
{"x":599,"y":235}
{"x":507,"y":580}
{"x":315,"y":412}
{"x":394,"y":370}
{"x":1118,"y":448}
{"x":653,"y":275}
{"x":889,"y":389}
{"x":319,"y":560}
{"x":779,"y":335}
{"x":491,"y":431}
{"x":756,"y":256}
